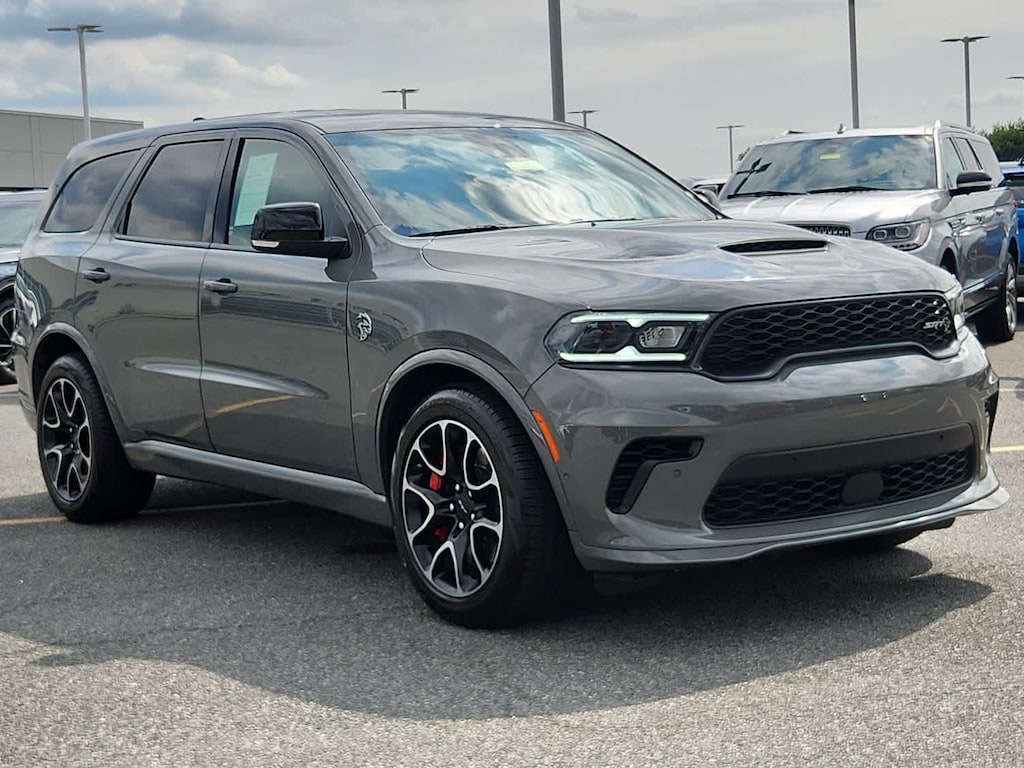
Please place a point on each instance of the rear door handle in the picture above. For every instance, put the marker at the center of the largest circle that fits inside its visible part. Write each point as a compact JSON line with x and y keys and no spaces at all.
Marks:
{"x":98,"y":275}
{"x":223,"y":285}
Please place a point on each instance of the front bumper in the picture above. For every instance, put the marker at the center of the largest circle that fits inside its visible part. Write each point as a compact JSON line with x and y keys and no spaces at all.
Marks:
{"x":595,"y":414}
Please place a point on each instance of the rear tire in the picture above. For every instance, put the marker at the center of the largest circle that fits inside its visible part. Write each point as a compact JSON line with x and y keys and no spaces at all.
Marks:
{"x":477,"y":526}
{"x":998,"y":323}
{"x":84,"y":466}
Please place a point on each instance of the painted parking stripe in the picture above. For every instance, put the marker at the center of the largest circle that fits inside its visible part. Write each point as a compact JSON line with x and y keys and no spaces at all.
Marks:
{"x":1008,"y":449}
{"x":164,"y":510}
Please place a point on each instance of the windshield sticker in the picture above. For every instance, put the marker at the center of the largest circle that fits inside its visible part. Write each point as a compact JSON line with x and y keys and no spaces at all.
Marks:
{"x":830,"y":156}
{"x":255,"y":187}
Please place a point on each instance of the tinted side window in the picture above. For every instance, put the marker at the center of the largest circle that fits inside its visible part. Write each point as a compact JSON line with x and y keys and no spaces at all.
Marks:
{"x":967,"y":154}
{"x":174,"y":199}
{"x":951,"y":163}
{"x":86,"y":193}
{"x":272,"y":172}
{"x":989,"y":162}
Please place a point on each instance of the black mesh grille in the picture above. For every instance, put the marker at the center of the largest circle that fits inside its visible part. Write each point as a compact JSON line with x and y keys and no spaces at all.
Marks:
{"x":835,"y":230}
{"x":644,"y":455}
{"x":775,"y":501}
{"x":756,"y":341}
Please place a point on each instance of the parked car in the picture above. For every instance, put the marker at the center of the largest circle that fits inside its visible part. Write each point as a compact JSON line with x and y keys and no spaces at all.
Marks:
{"x":17,"y":210}
{"x":523,"y":348}
{"x":932,"y":191}
{"x":1013,"y":175}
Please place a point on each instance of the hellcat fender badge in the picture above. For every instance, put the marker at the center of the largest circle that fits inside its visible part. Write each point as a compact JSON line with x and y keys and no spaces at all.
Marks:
{"x":364,"y":326}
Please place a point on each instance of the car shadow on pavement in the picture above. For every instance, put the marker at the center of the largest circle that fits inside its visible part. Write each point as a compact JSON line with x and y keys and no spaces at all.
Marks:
{"x":315,"y":606}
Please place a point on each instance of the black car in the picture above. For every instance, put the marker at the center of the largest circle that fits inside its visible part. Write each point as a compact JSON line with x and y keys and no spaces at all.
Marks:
{"x":17,"y":212}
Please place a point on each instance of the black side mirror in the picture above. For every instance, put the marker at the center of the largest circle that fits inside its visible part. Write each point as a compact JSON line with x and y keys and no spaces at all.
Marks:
{"x":296,"y":229}
{"x":971,"y":181}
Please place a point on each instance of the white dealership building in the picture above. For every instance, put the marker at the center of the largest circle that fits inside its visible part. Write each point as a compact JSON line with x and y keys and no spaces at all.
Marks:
{"x":33,"y":145}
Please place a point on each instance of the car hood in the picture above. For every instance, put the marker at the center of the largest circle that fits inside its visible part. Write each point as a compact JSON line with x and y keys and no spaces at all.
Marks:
{"x":860,"y":210}
{"x":682,"y":265}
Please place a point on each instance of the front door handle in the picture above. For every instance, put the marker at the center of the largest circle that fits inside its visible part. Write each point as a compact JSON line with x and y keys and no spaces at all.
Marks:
{"x":98,"y":275}
{"x":223,"y":285}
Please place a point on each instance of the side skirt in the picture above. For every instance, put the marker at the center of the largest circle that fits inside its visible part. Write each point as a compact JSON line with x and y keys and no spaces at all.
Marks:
{"x":345,"y":496}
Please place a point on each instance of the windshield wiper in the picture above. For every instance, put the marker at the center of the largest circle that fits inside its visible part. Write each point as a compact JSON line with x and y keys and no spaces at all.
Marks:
{"x":851,"y":188}
{"x":470,"y":230}
{"x":765,"y":193}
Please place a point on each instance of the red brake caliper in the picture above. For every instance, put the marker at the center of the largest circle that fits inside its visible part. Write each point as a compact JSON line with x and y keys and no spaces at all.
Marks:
{"x":436,"y":483}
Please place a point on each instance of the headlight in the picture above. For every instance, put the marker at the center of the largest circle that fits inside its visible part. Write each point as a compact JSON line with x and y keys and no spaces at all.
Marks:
{"x":955,"y":299}
{"x":626,"y":337}
{"x":906,"y":237}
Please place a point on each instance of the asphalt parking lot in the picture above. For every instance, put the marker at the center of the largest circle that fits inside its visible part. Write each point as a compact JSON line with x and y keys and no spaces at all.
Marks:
{"x":220,"y":629}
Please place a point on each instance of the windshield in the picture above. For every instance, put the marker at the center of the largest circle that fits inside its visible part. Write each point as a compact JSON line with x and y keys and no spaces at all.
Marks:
{"x":836,"y":164}
{"x":446,"y":180}
{"x":1016,"y":184}
{"x":15,"y":221}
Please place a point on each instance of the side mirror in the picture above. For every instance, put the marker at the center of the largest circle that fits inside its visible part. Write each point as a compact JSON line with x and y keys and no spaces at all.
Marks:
{"x":709,"y":197}
{"x":296,"y":229}
{"x":971,"y":181}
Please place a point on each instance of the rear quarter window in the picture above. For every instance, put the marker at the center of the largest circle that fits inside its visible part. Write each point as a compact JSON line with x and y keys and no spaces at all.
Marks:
{"x":86,"y":193}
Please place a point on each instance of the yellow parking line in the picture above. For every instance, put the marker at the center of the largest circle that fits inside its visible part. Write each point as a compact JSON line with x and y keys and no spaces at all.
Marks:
{"x":1008,"y":449}
{"x":31,"y":520}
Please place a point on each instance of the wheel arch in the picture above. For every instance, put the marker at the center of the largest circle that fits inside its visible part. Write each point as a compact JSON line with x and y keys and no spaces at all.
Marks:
{"x":62,"y":339}
{"x":428,"y":372}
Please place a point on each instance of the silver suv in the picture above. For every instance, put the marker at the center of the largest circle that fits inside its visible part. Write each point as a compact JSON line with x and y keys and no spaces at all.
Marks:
{"x":935,"y":191}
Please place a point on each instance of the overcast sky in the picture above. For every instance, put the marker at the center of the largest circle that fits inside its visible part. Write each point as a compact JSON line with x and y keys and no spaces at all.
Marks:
{"x":662,"y":73}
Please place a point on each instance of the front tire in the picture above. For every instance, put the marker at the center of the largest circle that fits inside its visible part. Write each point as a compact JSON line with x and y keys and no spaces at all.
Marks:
{"x":476,"y":523}
{"x":85,"y":469}
{"x":998,"y":323}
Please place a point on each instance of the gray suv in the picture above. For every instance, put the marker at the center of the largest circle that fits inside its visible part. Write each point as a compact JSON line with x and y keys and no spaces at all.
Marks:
{"x":521,"y":347}
{"x":934,"y":191}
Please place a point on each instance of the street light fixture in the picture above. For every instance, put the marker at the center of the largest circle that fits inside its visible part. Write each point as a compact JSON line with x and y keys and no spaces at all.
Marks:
{"x":730,"y":128}
{"x":81,"y":30}
{"x":1021,"y":78}
{"x":557,"y":76}
{"x":854,"y":89}
{"x":966,"y":40}
{"x":402,"y":91}
{"x":583,"y":112}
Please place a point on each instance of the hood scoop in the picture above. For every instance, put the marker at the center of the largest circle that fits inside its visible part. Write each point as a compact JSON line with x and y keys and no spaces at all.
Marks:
{"x":751,"y":247}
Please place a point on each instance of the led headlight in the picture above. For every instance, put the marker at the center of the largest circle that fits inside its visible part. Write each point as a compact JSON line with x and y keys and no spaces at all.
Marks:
{"x":626,"y":337}
{"x":906,"y":236}
{"x":955,"y":299}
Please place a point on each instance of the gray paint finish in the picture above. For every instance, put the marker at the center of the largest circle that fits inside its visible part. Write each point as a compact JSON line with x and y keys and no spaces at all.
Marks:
{"x":268,"y":386}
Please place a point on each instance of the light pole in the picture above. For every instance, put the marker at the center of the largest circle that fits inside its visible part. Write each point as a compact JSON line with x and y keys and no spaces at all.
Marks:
{"x":854,"y":90}
{"x":81,"y":29}
{"x":583,"y":112}
{"x":730,"y":128}
{"x":1021,"y":78}
{"x":966,"y":40}
{"x":557,"y":76}
{"x":402,"y":91}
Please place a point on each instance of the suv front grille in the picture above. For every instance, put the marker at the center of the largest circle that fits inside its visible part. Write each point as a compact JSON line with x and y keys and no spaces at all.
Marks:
{"x":835,"y":230}
{"x":755,"y":342}
{"x":777,"y":501}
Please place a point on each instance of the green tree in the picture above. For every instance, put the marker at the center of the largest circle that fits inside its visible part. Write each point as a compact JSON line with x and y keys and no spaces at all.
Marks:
{"x":1007,"y":140}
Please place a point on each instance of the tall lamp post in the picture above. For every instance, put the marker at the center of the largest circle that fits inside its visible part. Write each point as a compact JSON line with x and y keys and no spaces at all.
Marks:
{"x":1021,"y":78}
{"x":402,"y":91}
{"x":966,"y":40}
{"x":730,"y":128}
{"x":584,"y":113}
{"x":854,"y":89}
{"x":557,"y":76}
{"x":82,"y":29}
